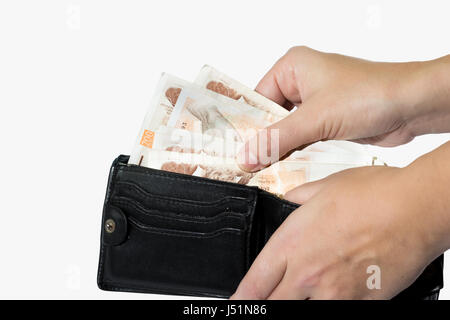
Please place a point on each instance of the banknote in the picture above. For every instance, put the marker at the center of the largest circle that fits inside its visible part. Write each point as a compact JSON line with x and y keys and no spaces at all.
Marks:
{"x":279,"y":178}
{"x":180,"y":140}
{"x":333,"y":157}
{"x":195,"y":111}
{"x":180,"y":104}
{"x":184,"y":141}
{"x":345,"y":146}
{"x":176,"y":139}
{"x":214,"y":80}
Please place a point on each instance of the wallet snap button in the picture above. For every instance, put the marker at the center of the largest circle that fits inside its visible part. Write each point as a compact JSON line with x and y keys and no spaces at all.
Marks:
{"x":115,"y":226}
{"x":110,"y":225}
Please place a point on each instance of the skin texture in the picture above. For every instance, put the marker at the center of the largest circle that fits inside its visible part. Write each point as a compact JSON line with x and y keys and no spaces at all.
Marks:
{"x":395,"y":218}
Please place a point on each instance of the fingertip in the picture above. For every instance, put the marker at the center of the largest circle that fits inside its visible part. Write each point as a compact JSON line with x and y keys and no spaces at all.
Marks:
{"x":295,"y":196}
{"x":306,"y":191}
{"x":269,"y":88}
{"x":300,"y":194}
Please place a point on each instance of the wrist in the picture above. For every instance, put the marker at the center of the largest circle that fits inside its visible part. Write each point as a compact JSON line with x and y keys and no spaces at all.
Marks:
{"x":424,"y":96}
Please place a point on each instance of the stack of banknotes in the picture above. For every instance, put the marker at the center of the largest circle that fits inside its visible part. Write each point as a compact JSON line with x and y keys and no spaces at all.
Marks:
{"x":197,"y":128}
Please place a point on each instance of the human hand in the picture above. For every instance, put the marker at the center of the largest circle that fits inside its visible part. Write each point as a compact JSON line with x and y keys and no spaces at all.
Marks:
{"x":350,"y":221}
{"x":344,"y":98}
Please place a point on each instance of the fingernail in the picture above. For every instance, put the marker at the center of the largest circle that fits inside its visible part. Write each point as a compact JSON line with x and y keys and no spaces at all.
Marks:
{"x":247,"y":161}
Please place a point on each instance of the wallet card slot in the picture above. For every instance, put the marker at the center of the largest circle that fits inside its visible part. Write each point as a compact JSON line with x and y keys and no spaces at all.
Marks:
{"x":181,"y":233}
{"x":191,"y":208}
{"x":182,"y":186}
{"x":165,"y":213}
{"x":178,"y":221}
{"x":206,"y":203}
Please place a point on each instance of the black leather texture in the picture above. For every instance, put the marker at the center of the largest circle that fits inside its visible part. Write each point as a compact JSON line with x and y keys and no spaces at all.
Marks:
{"x":170,"y":233}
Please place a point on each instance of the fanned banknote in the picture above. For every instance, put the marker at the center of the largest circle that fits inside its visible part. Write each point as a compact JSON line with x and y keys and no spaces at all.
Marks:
{"x":198,"y":128}
{"x":183,"y":105}
{"x":219,"y":82}
{"x":278,"y":178}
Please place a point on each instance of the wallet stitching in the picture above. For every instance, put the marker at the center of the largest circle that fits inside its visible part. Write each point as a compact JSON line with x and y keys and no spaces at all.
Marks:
{"x":179,"y":201}
{"x":185,"y":234}
{"x":125,"y":203}
{"x":189,"y":202}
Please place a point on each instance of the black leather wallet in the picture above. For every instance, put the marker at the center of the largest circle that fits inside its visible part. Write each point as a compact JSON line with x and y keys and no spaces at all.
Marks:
{"x":170,"y":233}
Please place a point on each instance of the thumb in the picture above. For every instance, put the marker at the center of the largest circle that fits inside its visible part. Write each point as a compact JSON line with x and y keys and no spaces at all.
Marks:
{"x":306,"y":191}
{"x":303,"y":126}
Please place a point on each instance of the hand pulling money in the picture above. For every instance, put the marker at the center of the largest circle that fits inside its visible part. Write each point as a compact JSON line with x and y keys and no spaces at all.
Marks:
{"x":198,"y":128}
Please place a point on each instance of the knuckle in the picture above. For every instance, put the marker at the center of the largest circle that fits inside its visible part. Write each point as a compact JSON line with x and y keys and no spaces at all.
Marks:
{"x":331,"y":293}
{"x":307,"y":280}
{"x":334,"y":287}
{"x":298,"y":50}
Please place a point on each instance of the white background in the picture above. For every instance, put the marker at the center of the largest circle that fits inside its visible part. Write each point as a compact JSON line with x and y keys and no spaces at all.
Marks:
{"x":76,"y":79}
